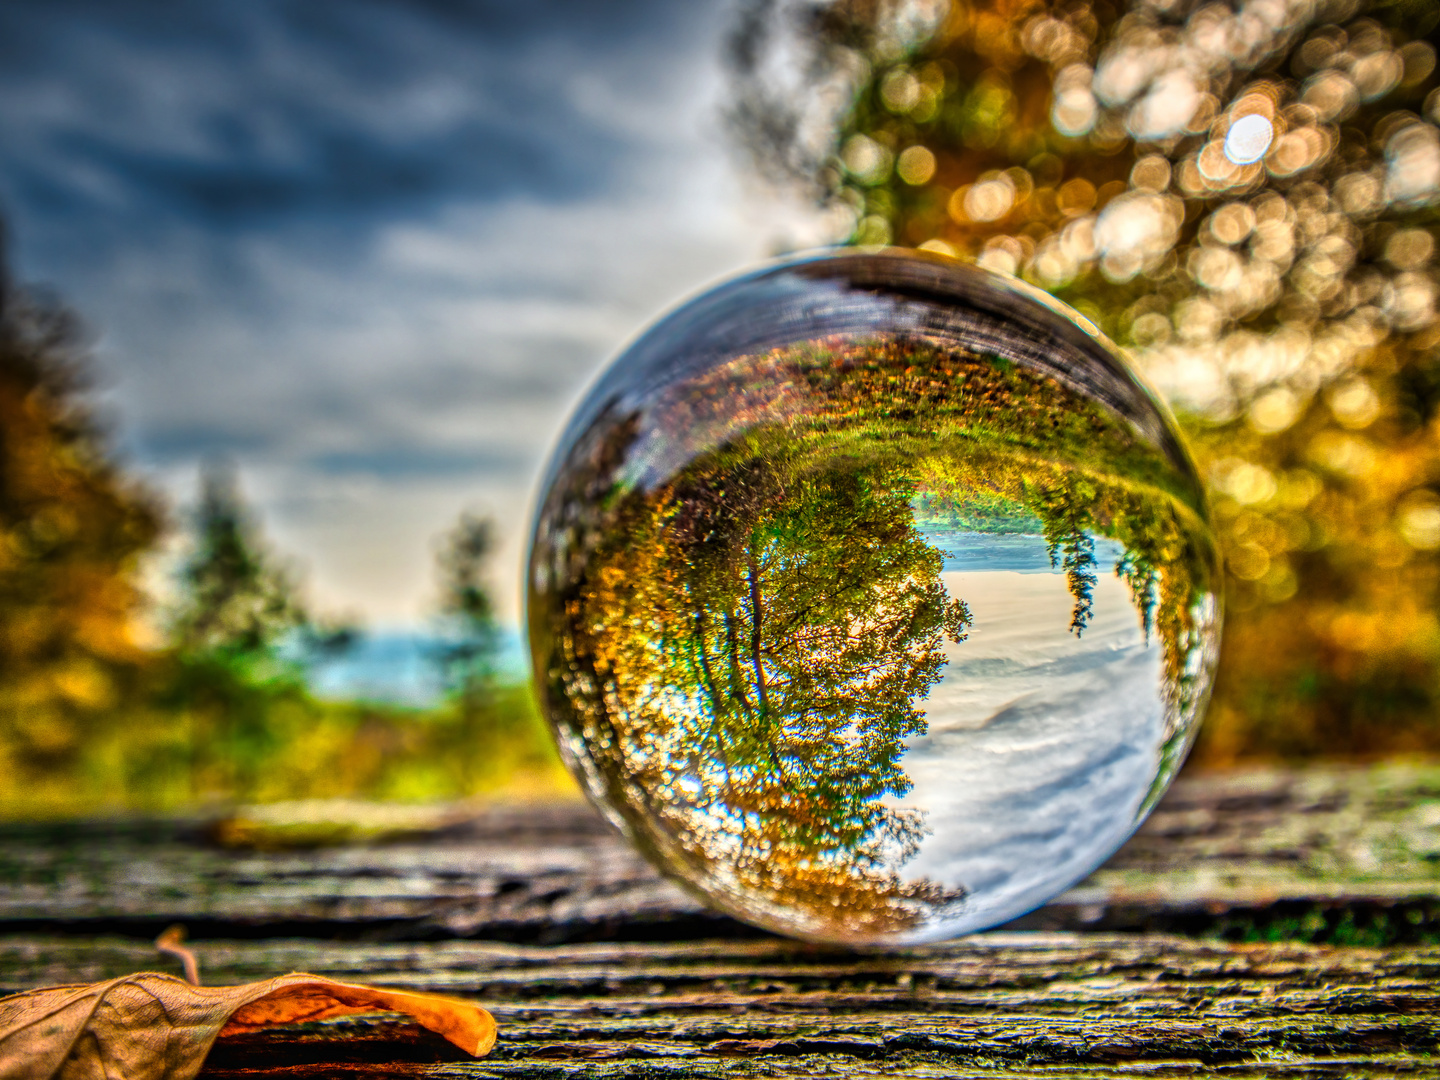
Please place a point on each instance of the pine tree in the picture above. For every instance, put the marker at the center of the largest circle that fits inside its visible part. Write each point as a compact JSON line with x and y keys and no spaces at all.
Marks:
{"x":468,"y":657}
{"x":237,"y":598}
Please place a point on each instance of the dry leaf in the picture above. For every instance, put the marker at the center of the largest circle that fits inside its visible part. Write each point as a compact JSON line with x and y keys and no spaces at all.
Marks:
{"x":172,"y":942}
{"x":158,"y":1027}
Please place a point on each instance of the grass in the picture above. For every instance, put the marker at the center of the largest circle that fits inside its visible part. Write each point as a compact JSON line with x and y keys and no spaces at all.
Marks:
{"x":264,"y":744}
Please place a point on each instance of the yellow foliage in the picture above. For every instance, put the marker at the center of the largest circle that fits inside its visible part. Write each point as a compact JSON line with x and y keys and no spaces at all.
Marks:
{"x":1281,"y":291}
{"x":71,"y":531}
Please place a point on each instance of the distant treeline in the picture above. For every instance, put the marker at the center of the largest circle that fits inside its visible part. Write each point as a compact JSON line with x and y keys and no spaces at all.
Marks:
{"x":109,"y":700}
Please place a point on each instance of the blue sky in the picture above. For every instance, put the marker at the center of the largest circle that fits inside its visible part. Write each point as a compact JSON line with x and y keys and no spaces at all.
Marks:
{"x":370,"y":250}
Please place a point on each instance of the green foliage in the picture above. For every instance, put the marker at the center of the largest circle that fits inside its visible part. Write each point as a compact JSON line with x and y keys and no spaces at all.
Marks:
{"x":172,"y":753}
{"x":231,"y":697}
{"x":229,"y":716}
{"x":982,"y":512}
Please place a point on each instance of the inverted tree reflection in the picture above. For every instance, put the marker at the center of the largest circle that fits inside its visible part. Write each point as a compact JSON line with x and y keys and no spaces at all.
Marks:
{"x":745,"y":618}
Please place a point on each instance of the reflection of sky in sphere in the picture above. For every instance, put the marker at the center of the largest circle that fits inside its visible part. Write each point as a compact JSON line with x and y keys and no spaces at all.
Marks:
{"x":1041,"y":744}
{"x":1248,"y":139}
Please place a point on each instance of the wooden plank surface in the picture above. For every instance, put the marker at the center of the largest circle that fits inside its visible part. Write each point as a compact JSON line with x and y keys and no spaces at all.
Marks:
{"x":1250,"y":854}
{"x":1000,"y":1003}
{"x":595,"y":966}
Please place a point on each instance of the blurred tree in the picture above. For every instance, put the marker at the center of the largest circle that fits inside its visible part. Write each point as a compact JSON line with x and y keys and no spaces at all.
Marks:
{"x":236,"y":598}
{"x":73,"y":528}
{"x":1243,"y":194}
{"x":239,"y":634}
{"x":94,"y":716}
{"x":489,"y":733}
{"x":468,"y":656}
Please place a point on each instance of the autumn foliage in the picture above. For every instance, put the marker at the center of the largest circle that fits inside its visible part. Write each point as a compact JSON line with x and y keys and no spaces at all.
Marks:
{"x":72,"y":530}
{"x":1245,"y":196}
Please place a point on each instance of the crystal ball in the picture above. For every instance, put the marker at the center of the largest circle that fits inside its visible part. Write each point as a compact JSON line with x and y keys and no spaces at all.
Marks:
{"x":873,"y":597}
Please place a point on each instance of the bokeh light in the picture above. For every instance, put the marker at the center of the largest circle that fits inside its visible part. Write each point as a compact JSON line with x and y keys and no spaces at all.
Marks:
{"x":1247,"y":195}
{"x":1248,"y":139}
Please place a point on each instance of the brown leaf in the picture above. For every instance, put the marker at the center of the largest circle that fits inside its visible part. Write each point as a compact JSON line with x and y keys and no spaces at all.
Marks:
{"x":158,"y":1027}
{"x":172,"y":941}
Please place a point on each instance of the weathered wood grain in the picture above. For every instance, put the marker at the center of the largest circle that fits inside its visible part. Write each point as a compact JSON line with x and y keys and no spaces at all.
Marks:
{"x":1326,"y":854}
{"x":595,"y":966}
{"x":995,"y":1004}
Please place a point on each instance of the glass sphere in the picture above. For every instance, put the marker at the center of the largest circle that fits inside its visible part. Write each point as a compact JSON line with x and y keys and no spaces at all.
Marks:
{"x":873,"y":597}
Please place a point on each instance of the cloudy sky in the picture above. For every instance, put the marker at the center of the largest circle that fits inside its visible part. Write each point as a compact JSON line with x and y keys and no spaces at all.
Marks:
{"x":370,"y":250}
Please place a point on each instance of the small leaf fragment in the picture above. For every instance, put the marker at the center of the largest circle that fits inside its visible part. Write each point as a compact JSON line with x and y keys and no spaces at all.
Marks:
{"x":157,"y":1027}
{"x":172,"y":941}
